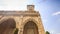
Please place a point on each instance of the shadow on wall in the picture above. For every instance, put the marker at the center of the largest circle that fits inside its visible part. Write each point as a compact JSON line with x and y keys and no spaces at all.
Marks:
{"x":7,"y":26}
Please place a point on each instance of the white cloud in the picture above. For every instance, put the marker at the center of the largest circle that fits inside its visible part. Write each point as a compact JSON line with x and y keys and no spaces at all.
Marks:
{"x":13,"y":4}
{"x":56,"y":13}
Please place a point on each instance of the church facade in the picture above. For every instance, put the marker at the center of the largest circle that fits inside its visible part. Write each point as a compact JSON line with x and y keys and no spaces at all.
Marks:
{"x":27,"y":22}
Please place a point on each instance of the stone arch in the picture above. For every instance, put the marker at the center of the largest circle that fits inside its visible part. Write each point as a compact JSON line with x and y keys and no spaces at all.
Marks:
{"x":7,"y":26}
{"x":30,"y":28}
{"x":5,"y":18}
{"x":27,"y":20}
{"x":30,"y":19}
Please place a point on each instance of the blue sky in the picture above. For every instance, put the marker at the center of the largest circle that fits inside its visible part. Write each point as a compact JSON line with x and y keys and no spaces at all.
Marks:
{"x":49,"y":10}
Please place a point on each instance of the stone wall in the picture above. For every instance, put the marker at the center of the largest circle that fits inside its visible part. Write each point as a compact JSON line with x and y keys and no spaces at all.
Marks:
{"x":21,"y":20}
{"x":22,"y":17}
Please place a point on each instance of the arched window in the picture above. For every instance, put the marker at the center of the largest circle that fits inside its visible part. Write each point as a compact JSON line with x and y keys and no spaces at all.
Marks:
{"x":7,"y":26}
{"x":30,"y":28}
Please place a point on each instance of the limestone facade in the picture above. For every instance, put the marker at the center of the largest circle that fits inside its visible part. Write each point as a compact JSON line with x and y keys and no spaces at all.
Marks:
{"x":21,"y":18}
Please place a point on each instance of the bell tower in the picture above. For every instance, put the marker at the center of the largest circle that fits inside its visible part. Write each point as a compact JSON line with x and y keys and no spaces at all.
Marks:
{"x":30,"y":7}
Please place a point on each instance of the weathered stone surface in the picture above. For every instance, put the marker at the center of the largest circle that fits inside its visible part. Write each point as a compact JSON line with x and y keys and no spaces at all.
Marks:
{"x":19,"y":18}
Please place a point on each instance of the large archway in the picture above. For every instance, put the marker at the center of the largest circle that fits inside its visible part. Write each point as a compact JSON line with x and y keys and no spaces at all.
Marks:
{"x":7,"y":26}
{"x":30,"y":28}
